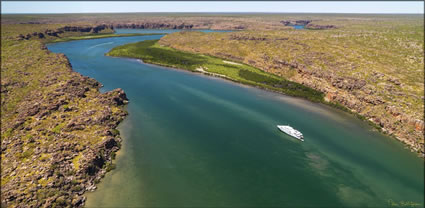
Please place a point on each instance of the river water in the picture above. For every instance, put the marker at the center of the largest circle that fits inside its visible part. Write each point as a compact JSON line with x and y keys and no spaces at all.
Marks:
{"x":193,"y":140}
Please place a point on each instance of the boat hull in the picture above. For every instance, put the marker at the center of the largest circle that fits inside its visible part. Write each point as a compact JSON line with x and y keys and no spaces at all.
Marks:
{"x":291,"y":132}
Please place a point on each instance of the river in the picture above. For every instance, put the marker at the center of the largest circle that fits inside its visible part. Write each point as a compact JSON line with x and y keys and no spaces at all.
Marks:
{"x":194,"y":140}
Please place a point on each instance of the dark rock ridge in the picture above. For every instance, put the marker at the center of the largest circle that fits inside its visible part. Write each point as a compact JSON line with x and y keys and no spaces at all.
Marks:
{"x":246,"y":37}
{"x":96,"y":29}
{"x":296,"y":22}
{"x":153,"y":25}
{"x":307,"y":24}
{"x":182,"y":25}
{"x":139,"y":25}
{"x":33,"y":23}
{"x":59,"y":31}
{"x":320,"y":27}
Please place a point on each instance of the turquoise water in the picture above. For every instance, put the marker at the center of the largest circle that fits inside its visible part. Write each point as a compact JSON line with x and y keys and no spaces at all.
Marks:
{"x":298,"y":27}
{"x":196,"y":141}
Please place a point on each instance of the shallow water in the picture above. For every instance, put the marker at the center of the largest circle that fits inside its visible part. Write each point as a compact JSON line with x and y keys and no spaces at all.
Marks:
{"x":193,"y":140}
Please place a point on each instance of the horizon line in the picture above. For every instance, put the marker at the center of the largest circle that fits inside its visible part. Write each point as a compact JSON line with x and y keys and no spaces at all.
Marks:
{"x":2,"y":13}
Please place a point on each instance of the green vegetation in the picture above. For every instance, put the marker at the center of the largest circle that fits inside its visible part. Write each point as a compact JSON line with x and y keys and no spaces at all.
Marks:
{"x":26,"y":154}
{"x":96,"y":36}
{"x":115,"y":132}
{"x":58,"y":128}
{"x":151,"y":52}
{"x":76,"y":161}
{"x":109,"y":166}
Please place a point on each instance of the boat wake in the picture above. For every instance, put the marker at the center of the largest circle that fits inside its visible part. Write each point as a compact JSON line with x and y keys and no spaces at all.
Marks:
{"x":100,"y":45}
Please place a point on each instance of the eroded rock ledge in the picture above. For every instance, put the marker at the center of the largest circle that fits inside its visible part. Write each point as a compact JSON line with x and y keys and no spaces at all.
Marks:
{"x":308,"y":24}
{"x":57,"y":32}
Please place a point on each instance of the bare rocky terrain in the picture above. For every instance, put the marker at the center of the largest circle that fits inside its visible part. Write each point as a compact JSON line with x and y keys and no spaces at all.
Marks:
{"x":58,"y":135}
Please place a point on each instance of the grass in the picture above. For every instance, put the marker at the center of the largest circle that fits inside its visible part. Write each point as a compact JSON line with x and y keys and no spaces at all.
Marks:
{"x":58,"y":128}
{"x":151,"y":52}
{"x":76,"y":161}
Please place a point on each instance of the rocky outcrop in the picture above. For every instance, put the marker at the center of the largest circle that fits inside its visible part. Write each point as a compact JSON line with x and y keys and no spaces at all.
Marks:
{"x":307,"y":23}
{"x":70,"y":167}
{"x":230,"y":56}
{"x":319,"y":27}
{"x":358,"y":96}
{"x":92,"y":29}
{"x":246,"y":37}
{"x":61,"y":30}
{"x":295,"y":22}
{"x":347,"y":83}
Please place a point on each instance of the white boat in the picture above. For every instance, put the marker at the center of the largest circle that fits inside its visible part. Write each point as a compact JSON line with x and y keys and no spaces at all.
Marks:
{"x":291,"y":132}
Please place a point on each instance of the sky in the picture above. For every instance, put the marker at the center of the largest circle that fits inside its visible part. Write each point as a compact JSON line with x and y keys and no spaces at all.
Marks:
{"x":205,"y":6}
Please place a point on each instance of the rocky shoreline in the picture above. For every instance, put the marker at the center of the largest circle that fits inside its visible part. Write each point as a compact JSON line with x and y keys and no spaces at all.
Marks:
{"x":354,"y":94}
{"x":59,"y":133}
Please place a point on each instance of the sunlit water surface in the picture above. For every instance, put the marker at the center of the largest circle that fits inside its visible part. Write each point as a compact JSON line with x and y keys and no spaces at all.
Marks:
{"x":193,"y":140}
